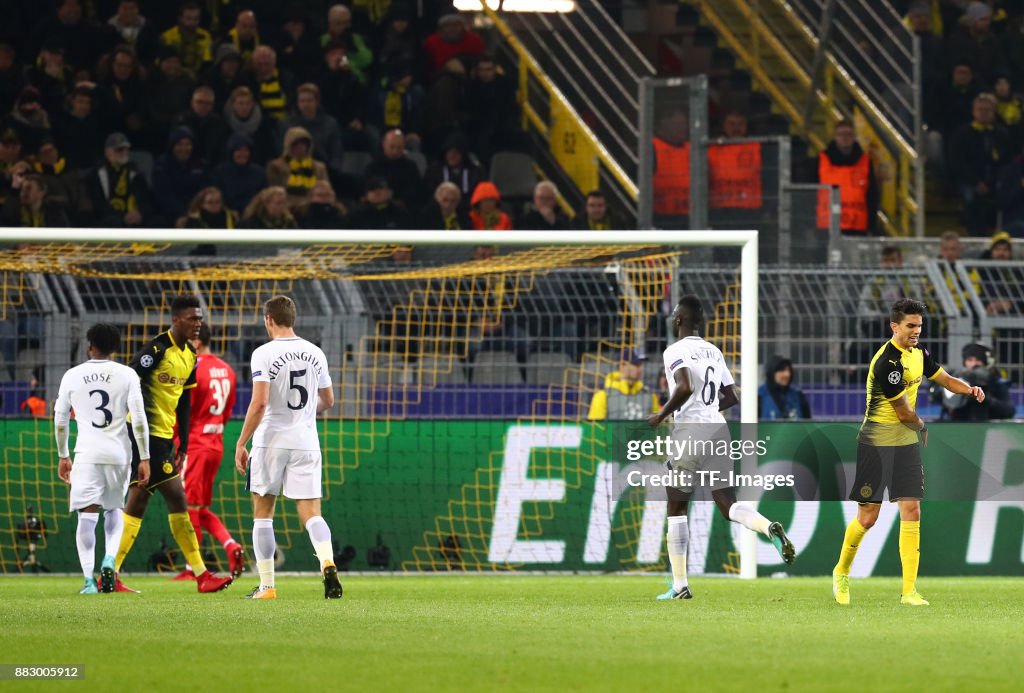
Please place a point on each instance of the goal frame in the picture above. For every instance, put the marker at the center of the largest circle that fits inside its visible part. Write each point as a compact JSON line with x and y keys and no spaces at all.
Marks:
{"x":746,"y":240}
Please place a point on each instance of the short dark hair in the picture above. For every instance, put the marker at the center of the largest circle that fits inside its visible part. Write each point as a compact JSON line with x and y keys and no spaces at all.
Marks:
{"x":182,"y":303}
{"x":104,"y":338}
{"x":281,"y":310}
{"x":595,"y":193}
{"x":204,"y":334}
{"x":845,"y":123}
{"x":904,"y":307}
{"x":187,"y":6}
{"x":891,"y":249}
{"x":691,"y":305}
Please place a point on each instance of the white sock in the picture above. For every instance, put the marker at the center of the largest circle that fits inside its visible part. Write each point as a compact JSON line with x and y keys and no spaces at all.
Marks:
{"x":749,"y":518}
{"x":678,"y":539}
{"x":320,"y":537}
{"x":113,"y":527}
{"x":85,"y":537}
{"x":264,"y":544}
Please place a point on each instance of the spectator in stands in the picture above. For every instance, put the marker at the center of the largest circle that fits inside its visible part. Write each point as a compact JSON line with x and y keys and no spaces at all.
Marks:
{"x":948,"y":109}
{"x":343,"y":96}
{"x":192,"y":42}
{"x":1010,"y":196}
{"x":238,"y":177}
{"x":51,"y":76}
{"x":451,"y":40}
{"x":671,"y":175}
{"x":274,"y":87}
{"x":296,"y":170}
{"x":84,"y":40}
{"x":445,"y":107}
{"x":122,"y":93}
{"x":206,"y":125}
{"x":27,"y":204}
{"x":207,"y":211}
{"x":134,"y":31}
{"x":12,"y":80}
{"x":64,"y":184}
{"x":979,"y":370}
{"x":244,"y":36}
{"x":269,"y":210}
{"x":169,"y":89}
{"x":118,"y":193}
{"x":396,"y":104}
{"x":29,"y":120}
{"x":975,"y":42}
{"x":485,"y":212}
{"x":546,"y":214}
{"x":321,"y":126}
{"x":10,"y":157}
{"x":493,"y":111}
{"x":401,"y":173}
{"x":178,"y":176}
{"x":298,"y":50}
{"x":777,"y":398}
{"x":455,"y":167}
{"x":1009,"y":109}
{"x":979,"y":149}
{"x":950,"y":247}
{"x":624,"y":396}
{"x":845,"y":165}
{"x":78,"y":130}
{"x":919,"y":17}
{"x":378,"y":210}
{"x":445,"y":212}
{"x":595,"y":215}
{"x":400,"y":41}
{"x":226,"y":74}
{"x":357,"y":56}
{"x":244,"y":117}
{"x":322,"y":210}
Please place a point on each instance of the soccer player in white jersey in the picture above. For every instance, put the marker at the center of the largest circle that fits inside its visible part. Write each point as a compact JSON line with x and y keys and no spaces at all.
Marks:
{"x":290,"y":386}
{"x":102,"y":393}
{"x":700,"y":388}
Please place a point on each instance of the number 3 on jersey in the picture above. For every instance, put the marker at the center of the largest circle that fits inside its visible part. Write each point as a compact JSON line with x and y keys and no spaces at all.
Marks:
{"x":220,"y":389}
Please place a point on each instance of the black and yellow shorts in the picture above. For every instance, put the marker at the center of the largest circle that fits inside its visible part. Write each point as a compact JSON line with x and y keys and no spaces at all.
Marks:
{"x":161,"y":462}
{"x":894,"y":467}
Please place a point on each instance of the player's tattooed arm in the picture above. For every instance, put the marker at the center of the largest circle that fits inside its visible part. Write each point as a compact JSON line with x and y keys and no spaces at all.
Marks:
{"x":683,"y":391}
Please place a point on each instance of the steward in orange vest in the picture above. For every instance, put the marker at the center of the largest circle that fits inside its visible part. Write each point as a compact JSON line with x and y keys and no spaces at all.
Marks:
{"x":734,"y":175}
{"x":846,"y":165}
{"x":671,"y":179}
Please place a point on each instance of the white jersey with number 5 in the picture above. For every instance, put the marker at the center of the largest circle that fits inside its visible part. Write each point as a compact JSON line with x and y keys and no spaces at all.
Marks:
{"x":295,"y":369}
{"x":708,"y":375}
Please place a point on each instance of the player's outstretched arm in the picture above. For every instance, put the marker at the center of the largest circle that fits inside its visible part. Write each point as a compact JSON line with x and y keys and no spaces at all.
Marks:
{"x":253,"y":417}
{"x":958,"y":386}
{"x":324,"y":399}
{"x":679,"y":396}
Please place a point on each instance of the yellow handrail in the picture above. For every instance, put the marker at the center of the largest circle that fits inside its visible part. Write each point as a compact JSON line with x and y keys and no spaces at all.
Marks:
{"x":559,"y":105}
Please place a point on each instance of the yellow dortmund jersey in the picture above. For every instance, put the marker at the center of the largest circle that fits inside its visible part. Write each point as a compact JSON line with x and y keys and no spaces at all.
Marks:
{"x":165,"y":369}
{"x":894,"y":372}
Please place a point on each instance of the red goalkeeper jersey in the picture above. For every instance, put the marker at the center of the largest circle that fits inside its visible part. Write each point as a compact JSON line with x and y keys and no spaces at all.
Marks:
{"x":212,"y":401}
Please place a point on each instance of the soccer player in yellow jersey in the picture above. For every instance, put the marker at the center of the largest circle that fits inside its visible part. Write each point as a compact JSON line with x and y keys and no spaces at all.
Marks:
{"x":888,"y":451}
{"x":166,"y":367}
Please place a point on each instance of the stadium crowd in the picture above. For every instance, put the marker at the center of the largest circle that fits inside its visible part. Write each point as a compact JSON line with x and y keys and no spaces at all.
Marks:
{"x":376,"y":114}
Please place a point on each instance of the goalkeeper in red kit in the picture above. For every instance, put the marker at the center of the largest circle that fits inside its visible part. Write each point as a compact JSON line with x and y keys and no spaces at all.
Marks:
{"x":212,"y":401}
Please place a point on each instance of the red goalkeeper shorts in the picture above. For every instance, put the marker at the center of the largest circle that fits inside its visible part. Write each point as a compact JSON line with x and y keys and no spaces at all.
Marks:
{"x":199,"y":473}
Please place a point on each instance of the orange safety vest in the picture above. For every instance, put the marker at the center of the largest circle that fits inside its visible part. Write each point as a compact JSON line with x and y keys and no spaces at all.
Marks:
{"x":671,"y":178}
{"x":853,"y":192}
{"x":734,"y":175}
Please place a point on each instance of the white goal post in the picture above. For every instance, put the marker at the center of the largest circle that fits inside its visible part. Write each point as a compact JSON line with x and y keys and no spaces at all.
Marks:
{"x":747,"y":240}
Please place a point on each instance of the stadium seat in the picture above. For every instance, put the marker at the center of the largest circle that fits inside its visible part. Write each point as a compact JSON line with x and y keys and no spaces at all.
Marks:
{"x":441,"y":370}
{"x":514,"y":175}
{"x":143,"y":161}
{"x":355,"y":163}
{"x":547,"y":368}
{"x":27,"y":361}
{"x":497,"y":368}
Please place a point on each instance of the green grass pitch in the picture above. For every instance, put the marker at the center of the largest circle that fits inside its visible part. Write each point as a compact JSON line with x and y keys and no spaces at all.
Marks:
{"x":524,"y":633}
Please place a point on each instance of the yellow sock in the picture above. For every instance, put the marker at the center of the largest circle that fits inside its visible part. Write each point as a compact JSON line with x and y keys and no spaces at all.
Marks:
{"x":910,"y":553}
{"x":131,"y":530}
{"x":855,"y":531}
{"x":185,"y":534}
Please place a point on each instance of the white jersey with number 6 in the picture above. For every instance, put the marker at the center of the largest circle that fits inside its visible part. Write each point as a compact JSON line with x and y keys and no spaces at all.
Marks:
{"x":295,"y":369}
{"x":102,"y":393}
{"x":708,"y":375}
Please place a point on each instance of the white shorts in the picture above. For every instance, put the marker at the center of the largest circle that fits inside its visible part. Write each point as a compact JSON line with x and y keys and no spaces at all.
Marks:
{"x":704,"y":462}
{"x":295,"y":474}
{"x":104,"y":485}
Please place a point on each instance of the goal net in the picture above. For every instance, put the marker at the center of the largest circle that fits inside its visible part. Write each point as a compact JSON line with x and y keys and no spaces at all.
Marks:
{"x":464,"y":373}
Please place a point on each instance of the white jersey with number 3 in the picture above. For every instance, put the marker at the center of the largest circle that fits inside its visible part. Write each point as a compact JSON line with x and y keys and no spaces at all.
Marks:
{"x":295,"y":369}
{"x":708,"y":375}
